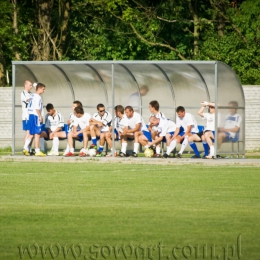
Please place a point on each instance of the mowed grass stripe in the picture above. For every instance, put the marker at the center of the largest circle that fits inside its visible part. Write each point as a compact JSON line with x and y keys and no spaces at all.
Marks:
{"x":116,"y":204}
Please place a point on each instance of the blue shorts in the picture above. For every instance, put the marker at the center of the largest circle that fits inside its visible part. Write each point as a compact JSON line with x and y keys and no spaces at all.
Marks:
{"x":25,"y":125}
{"x":148,"y":135}
{"x":228,"y":138}
{"x":34,"y":125}
{"x":170,"y":133}
{"x":80,"y":137}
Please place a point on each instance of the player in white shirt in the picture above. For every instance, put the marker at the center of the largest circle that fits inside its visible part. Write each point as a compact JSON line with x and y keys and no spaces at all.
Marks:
{"x":100,"y":127}
{"x":189,"y":125}
{"x":54,"y":124}
{"x":154,"y":109}
{"x":231,"y":126}
{"x":70,"y":121}
{"x":80,"y":131}
{"x":120,"y":126}
{"x":135,"y":131}
{"x":35,"y":110}
{"x":165,"y":128}
{"x":207,"y":135}
{"x":26,"y":96}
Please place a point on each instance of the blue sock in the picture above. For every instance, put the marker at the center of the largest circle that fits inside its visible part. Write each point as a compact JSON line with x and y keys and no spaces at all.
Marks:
{"x":206,"y":148}
{"x":100,"y":149}
{"x":194,"y":148}
{"x":94,"y":140}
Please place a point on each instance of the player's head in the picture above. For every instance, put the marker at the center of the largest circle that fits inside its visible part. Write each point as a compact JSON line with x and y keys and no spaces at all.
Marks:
{"x":154,"y":106}
{"x":212,"y":108}
{"x":233,"y":107}
{"x":129,"y":111}
{"x":27,"y":85}
{"x":50,"y":109}
{"x":119,"y":110}
{"x":40,"y":88}
{"x":79,"y":111}
{"x":101,"y":109}
{"x":180,"y":111}
{"x":76,"y":103}
{"x":154,"y":121}
{"x":143,"y":90}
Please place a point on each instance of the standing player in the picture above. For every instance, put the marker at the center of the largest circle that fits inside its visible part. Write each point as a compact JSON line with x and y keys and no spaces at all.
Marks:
{"x":189,"y":125}
{"x":165,"y":128}
{"x":208,"y":135}
{"x":54,"y":122}
{"x":136,"y":125}
{"x":99,"y":127}
{"x":80,"y":131}
{"x":154,"y":109}
{"x":26,"y":96}
{"x":35,"y":110}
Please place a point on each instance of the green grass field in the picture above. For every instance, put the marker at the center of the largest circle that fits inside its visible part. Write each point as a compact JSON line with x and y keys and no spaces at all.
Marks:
{"x":117,"y":211}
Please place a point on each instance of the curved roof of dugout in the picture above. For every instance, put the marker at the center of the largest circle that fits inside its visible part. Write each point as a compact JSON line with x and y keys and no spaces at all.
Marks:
{"x":171,"y":83}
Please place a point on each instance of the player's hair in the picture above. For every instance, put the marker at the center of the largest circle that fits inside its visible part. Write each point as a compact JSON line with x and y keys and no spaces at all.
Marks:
{"x":129,"y":108}
{"x":153,"y":118}
{"x":144,"y":87}
{"x":180,"y":109}
{"x":234,"y":104}
{"x":120,"y":109}
{"x":27,"y":80}
{"x":99,"y":106}
{"x":40,"y":85}
{"x":79,"y":110}
{"x":155,"y":105}
{"x":78,"y":103}
{"x":49,"y":106}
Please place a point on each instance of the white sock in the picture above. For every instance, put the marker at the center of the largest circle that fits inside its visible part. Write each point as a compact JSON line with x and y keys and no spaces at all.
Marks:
{"x":171,"y":147}
{"x":212,"y":150}
{"x":37,"y":150}
{"x":146,"y":146}
{"x":158,"y":149}
{"x":72,"y":150}
{"x":136,"y":147}
{"x":42,"y":144}
{"x":56,"y":144}
{"x":123,"y":147}
{"x":183,"y":145}
{"x":27,"y":142}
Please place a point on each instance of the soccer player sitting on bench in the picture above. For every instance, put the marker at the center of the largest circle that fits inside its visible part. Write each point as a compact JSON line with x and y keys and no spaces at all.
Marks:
{"x":54,"y":122}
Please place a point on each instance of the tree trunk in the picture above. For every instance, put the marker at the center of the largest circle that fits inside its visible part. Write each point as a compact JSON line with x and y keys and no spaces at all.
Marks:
{"x":15,"y":26}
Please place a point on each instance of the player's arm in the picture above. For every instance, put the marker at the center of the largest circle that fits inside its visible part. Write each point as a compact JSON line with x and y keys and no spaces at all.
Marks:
{"x":93,"y":121}
{"x":136,"y":129}
{"x":176,"y":132}
{"x":188,"y":130}
{"x":60,"y":124}
{"x":157,"y":141}
{"x":39,"y":115}
{"x":234,"y":129}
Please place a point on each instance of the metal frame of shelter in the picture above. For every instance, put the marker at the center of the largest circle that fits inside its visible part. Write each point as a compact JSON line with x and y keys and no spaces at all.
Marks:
{"x":172,"y":83}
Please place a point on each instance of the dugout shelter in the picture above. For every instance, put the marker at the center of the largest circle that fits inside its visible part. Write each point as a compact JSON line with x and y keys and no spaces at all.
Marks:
{"x":171,"y":83}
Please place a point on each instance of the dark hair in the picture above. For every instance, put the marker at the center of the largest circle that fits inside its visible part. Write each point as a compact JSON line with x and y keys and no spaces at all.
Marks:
{"x":78,"y":103}
{"x":120,"y":109}
{"x":155,"y":105}
{"x":40,"y":85}
{"x":180,"y":109}
{"x":234,"y":104}
{"x":99,"y":106}
{"x":49,"y":106}
{"x":79,"y":110}
{"x":129,"y":108}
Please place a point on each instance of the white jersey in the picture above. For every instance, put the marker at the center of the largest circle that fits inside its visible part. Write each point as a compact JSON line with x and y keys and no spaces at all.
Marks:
{"x":25,"y":100}
{"x":35,"y":103}
{"x":210,"y":121}
{"x":120,"y":123}
{"x":72,"y":119}
{"x":232,"y":121}
{"x":106,"y":120}
{"x":136,"y":119}
{"x":186,"y":121}
{"x":53,"y":122}
{"x":158,"y":115}
{"x":165,"y":126}
{"x":82,"y":122}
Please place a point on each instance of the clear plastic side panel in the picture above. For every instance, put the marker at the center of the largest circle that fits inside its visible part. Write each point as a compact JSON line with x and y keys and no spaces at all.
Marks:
{"x":88,"y":85}
{"x":231,"y":112}
{"x":188,"y":85}
{"x":152,"y":85}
